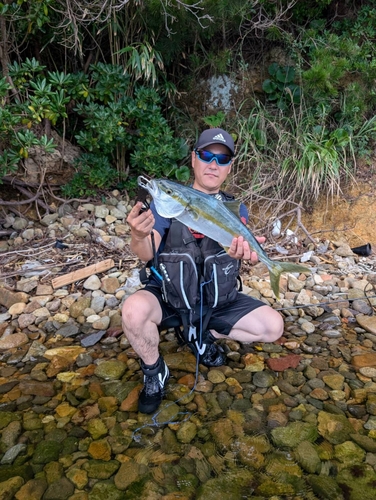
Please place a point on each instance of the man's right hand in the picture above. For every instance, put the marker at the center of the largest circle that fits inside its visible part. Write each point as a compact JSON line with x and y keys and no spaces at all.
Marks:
{"x":141,"y":223}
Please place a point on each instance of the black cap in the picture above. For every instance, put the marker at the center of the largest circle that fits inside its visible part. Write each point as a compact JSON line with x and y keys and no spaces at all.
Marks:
{"x":215,"y":136}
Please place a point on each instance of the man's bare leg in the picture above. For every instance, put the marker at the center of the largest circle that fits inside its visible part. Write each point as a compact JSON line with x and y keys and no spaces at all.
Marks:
{"x":263,"y":324}
{"x":141,"y":315}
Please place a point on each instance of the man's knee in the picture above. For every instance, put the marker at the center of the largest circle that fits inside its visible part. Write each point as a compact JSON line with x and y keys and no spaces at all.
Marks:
{"x":138,"y":309}
{"x":275,"y":329}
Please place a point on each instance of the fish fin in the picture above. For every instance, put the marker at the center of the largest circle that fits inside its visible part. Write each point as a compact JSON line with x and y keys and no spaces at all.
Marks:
{"x":233,"y":206}
{"x":192,"y":212}
{"x":276,"y":269}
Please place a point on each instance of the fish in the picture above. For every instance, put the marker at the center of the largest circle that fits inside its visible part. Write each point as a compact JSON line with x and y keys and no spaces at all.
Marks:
{"x":214,"y":218}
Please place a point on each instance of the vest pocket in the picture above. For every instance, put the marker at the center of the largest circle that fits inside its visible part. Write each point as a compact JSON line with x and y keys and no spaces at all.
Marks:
{"x":180,"y":279}
{"x":220,"y":274}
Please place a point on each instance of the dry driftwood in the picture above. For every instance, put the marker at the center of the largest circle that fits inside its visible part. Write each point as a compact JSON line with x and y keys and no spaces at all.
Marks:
{"x":80,"y":274}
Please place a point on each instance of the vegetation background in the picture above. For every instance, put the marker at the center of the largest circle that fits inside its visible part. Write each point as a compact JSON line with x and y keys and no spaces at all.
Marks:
{"x":122,"y":81}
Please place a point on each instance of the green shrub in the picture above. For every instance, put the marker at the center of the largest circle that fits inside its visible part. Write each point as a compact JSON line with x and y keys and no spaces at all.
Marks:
{"x":281,"y":87}
{"x":121,"y":129}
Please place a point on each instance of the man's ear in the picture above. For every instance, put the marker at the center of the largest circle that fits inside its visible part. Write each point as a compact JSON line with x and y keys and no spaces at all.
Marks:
{"x":193,"y":156}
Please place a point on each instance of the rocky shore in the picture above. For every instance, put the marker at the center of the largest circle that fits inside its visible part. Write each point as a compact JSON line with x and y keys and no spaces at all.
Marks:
{"x":295,"y":419}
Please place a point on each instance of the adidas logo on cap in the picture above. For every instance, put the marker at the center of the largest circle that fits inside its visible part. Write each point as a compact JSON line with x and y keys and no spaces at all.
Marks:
{"x":213,"y":136}
{"x":219,"y":137}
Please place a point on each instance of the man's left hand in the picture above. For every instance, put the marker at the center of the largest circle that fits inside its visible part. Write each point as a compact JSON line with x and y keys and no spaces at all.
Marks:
{"x":240,"y":249}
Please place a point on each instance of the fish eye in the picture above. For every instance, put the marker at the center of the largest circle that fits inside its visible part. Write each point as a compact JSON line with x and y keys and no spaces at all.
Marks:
{"x":168,"y":191}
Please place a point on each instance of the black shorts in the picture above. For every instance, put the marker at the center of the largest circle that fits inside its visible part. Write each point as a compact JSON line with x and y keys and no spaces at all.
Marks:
{"x":222,"y":318}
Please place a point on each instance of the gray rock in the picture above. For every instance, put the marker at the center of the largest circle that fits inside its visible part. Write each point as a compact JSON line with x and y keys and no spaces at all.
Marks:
{"x":11,"y":454}
{"x":68,"y":330}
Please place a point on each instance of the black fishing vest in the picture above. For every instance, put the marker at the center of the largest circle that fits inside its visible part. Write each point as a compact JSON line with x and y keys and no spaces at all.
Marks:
{"x":193,"y":272}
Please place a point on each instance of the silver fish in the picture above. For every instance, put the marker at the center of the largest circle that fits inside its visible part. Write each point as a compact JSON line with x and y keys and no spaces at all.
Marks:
{"x":213,"y":218}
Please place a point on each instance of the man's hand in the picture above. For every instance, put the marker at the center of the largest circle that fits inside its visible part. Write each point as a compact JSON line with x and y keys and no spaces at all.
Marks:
{"x":142,"y":223}
{"x":240,"y":249}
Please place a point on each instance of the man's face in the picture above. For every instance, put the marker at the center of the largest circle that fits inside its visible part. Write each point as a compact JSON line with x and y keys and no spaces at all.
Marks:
{"x":210,"y":176}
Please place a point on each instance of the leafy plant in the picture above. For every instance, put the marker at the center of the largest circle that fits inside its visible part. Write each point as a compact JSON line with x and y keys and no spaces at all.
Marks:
{"x":216,"y":120}
{"x":135,"y":126}
{"x":280,"y":87}
{"x":120,"y":130}
{"x":93,"y":172}
{"x":16,"y":138}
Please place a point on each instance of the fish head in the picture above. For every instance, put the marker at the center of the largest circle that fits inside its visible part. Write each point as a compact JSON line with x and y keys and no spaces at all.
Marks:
{"x":166,"y":203}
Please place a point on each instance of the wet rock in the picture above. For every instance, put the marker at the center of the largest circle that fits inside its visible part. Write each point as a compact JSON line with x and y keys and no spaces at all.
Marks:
{"x":307,"y":457}
{"x":181,"y":361}
{"x":282,"y":363}
{"x":32,"y":490}
{"x":325,"y":487}
{"x":61,"y":489}
{"x":100,"y":450}
{"x":9,"y":487}
{"x":110,"y":370}
{"x":9,"y":471}
{"x":253,"y":362}
{"x":46,"y":452}
{"x":186,"y":432}
{"x":78,"y":477}
{"x":293,"y":434}
{"x":70,"y":353}
{"x":12,"y":453}
{"x":100,"y":469}
{"x":106,"y":490}
{"x":234,"y":485}
{"x":263,"y":379}
{"x":222,"y":433}
{"x":364,"y":360}
{"x":34,"y":388}
{"x":358,"y":480}
{"x":348,"y":454}
{"x":335,"y":428}
{"x":96,"y":428}
{"x":249,"y":452}
{"x":128,"y":473}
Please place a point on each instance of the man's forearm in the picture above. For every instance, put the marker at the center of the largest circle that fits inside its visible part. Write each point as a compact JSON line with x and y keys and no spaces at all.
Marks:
{"x":142,"y":247}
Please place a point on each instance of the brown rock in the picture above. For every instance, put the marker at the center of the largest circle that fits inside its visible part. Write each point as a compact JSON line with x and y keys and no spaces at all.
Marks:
{"x":69,"y":352}
{"x":181,"y":361}
{"x":13,"y":340}
{"x":283,"y":363}
{"x":44,"y":289}
{"x":57,"y":365}
{"x":253,"y":362}
{"x":110,"y":285}
{"x":100,"y":450}
{"x":32,"y":490}
{"x":319,"y":394}
{"x":34,"y":388}
{"x":130,"y":403}
{"x":362,"y":360}
{"x":8,"y":298}
{"x":367,"y":322}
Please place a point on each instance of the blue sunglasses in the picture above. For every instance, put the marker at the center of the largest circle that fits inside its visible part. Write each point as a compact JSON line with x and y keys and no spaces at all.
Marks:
{"x":207,"y":157}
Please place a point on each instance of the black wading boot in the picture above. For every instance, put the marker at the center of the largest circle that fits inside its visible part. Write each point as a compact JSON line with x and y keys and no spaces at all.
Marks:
{"x":210,"y":354}
{"x":155,"y":380}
